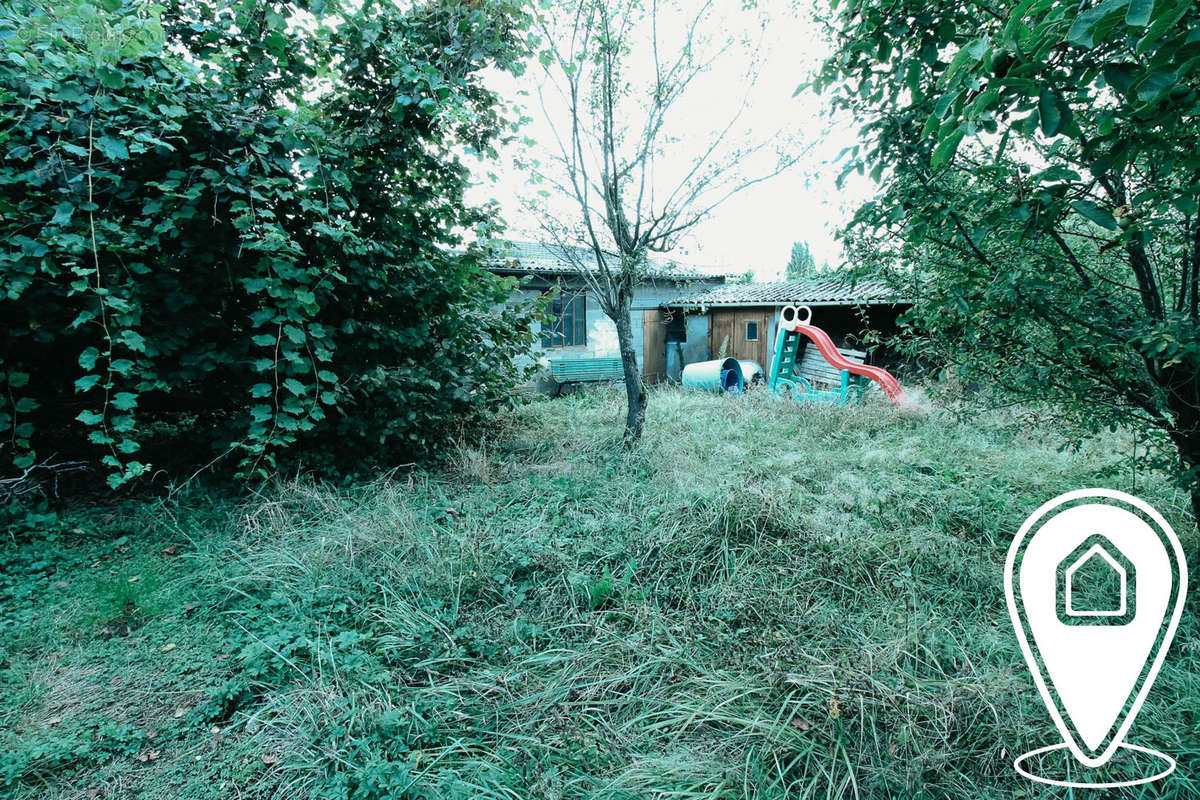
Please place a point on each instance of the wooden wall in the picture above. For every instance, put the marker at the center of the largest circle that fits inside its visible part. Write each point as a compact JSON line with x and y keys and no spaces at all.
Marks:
{"x":727,"y":334}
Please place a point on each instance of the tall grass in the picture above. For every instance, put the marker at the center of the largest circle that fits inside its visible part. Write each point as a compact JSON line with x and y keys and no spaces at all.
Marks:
{"x":762,"y":600}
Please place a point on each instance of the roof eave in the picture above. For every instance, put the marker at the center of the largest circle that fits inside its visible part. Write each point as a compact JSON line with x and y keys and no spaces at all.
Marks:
{"x":676,"y":278}
{"x":782,"y":303}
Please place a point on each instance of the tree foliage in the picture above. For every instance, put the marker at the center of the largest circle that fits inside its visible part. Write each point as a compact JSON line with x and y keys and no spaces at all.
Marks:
{"x":801,"y":265}
{"x":1040,"y":178}
{"x":228,"y":226}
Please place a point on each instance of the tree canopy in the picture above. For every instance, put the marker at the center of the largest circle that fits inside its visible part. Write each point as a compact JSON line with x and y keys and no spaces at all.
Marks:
{"x":801,"y":265}
{"x":1040,"y":177}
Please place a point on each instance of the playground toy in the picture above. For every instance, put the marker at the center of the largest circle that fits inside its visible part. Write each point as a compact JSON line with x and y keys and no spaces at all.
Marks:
{"x":752,"y":373}
{"x":784,"y":380}
{"x":715,"y":376}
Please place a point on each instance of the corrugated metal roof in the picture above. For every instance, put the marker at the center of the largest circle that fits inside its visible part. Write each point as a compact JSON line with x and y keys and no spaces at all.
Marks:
{"x":532,"y":258}
{"x":836,"y":292}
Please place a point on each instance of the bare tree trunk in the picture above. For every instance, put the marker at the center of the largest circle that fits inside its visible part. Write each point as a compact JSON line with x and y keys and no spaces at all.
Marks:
{"x":635,"y":418}
{"x":1182,"y":389}
{"x":1187,"y":444}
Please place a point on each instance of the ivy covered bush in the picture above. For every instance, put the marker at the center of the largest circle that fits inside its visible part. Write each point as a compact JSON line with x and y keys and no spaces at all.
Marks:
{"x":231,"y":232}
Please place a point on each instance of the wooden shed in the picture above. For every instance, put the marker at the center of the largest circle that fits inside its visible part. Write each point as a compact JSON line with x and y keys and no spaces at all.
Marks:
{"x":743,"y":318}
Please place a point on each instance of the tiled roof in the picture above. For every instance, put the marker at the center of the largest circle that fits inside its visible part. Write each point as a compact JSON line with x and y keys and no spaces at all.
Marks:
{"x":531,"y":258}
{"x":837,"y":292}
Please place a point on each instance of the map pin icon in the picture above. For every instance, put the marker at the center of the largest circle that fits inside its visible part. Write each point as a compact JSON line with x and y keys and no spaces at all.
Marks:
{"x":1095,"y":581}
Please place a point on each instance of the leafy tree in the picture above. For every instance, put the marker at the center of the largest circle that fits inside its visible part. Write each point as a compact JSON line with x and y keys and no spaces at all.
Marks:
{"x":1040,"y":177}
{"x":227,"y":230}
{"x":625,"y":72}
{"x":801,"y":266}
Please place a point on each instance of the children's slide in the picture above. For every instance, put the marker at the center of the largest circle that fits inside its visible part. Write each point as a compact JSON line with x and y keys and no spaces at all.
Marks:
{"x":890,"y":386}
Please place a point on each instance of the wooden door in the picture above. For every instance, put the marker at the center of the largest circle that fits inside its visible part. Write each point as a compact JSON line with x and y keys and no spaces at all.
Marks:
{"x":654,"y":346}
{"x":741,"y":332}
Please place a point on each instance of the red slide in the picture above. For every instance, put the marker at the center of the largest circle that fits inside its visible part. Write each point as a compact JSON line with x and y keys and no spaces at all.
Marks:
{"x":890,"y":386}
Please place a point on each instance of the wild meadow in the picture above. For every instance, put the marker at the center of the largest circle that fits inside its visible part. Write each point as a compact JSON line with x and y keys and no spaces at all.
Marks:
{"x":761,"y":600}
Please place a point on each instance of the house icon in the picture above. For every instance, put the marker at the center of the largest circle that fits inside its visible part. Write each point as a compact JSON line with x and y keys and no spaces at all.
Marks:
{"x":1097,"y":585}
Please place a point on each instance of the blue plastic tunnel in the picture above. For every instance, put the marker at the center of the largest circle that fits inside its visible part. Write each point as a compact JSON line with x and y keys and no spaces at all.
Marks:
{"x":721,"y":375}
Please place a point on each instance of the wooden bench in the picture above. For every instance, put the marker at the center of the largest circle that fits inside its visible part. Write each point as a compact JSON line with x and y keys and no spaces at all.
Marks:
{"x":586,"y":370}
{"x":827,"y":382}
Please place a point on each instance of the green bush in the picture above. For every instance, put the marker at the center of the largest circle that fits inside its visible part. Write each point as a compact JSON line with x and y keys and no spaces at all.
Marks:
{"x":234,"y":229}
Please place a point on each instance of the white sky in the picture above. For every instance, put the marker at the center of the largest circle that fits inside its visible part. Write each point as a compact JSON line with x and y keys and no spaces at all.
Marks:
{"x":755,"y":229}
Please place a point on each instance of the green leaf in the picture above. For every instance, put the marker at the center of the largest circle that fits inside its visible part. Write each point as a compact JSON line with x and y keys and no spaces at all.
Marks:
{"x":87,"y":359}
{"x":1082,"y":31}
{"x":1186,"y":205}
{"x":260,"y":390}
{"x":294,"y":386}
{"x":1048,"y":112}
{"x":1096,"y":214}
{"x":112,"y":148}
{"x":1120,"y":76}
{"x":1160,"y":26}
{"x":1139,"y":13}
{"x":62,"y":213}
{"x":109,"y":77}
{"x":86,"y":383}
{"x":89,"y":417}
{"x":946,"y":149}
{"x":133,"y":340}
{"x":124,"y":401}
{"x":1155,"y":86}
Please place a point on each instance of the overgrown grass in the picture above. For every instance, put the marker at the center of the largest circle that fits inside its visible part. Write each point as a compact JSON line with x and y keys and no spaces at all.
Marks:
{"x":763,"y":600}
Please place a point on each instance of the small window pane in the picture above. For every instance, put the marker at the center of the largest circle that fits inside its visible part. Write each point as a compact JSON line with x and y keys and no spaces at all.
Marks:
{"x":751,"y":331}
{"x":579,"y":335}
{"x":566,"y":322}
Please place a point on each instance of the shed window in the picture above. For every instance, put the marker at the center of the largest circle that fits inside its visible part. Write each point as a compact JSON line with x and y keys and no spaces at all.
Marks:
{"x":751,"y":331}
{"x":566,"y":321}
